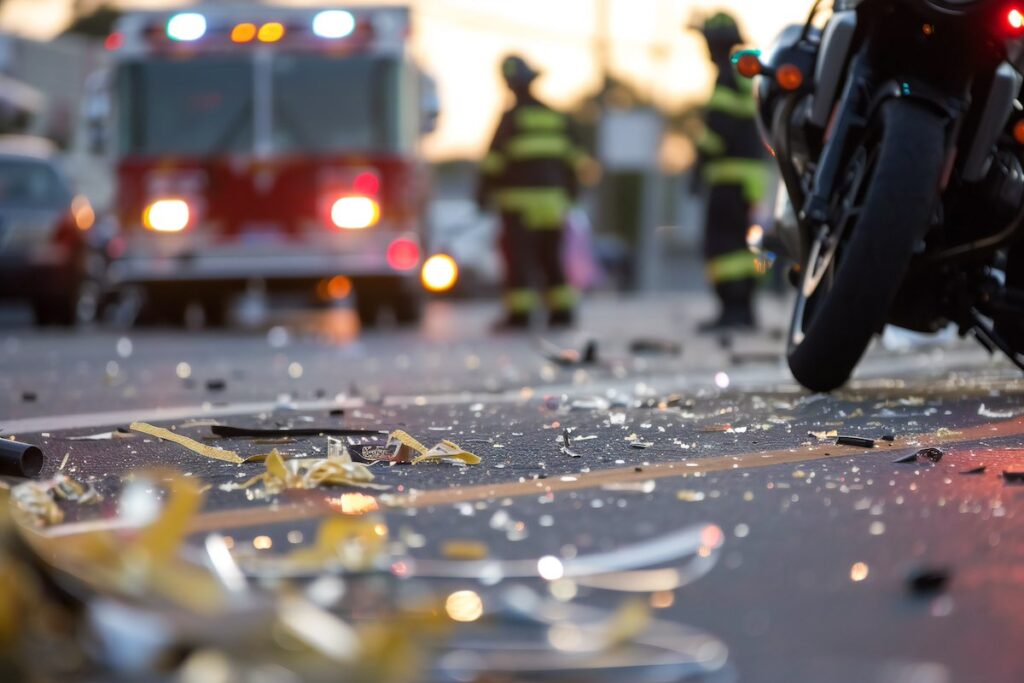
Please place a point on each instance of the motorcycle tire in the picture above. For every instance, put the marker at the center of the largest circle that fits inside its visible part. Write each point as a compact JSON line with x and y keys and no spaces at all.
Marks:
{"x":873,"y":262}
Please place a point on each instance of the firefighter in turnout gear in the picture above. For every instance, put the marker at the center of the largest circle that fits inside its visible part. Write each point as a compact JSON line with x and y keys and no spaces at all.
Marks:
{"x":529,"y":175}
{"x":732,"y":167}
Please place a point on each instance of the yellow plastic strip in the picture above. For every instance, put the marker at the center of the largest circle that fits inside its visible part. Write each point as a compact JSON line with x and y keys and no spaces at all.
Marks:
{"x":191,"y":444}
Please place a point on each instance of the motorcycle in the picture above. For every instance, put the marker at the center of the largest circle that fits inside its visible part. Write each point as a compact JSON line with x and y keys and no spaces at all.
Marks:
{"x":898,"y":129}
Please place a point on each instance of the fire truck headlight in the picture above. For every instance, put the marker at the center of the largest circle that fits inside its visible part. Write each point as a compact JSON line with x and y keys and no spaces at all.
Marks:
{"x":439,"y":273}
{"x":186,"y":27}
{"x":334,"y":24}
{"x":167,"y":215}
{"x":355,"y":213}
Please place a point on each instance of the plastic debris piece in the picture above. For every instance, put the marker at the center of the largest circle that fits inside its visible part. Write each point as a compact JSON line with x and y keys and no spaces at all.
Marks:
{"x":888,"y":437}
{"x":930,"y":454}
{"x":928,"y":580}
{"x":653,"y":347}
{"x":821,"y":436}
{"x":229,"y":431}
{"x":858,"y":441}
{"x":216,"y":385}
{"x":448,"y":450}
{"x":214,"y":452}
{"x":306,"y":473}
{"x":463,"y":550}
{"x":995,"y":414}
{"x":980,"y":469}
{"x":20,"y":459}
{"x":689,"y":496}
{"x":1013,"y":476}
{"x":570,"y":357}
{"x":37,"y":500}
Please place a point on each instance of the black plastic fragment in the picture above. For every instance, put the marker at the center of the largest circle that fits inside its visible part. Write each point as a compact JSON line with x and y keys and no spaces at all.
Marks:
{"x":20,"y":459}
{"x":928,"y":580}
{"x":654,"y":347}
{"x":858,"y":441}
{"x":1013,"y":476}
{"x":337,"y":412}
{"x":29,"y":396}
{"x":590,"y":353}
{"x":980,"y":469}
{"x":888,"y":437}
{"x":229,"y":431}
{"x":216,"y":385}
{"x":923,"y":455}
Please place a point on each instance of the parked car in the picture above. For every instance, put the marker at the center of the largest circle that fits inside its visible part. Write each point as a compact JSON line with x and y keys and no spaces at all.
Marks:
{"x":52,"y":252}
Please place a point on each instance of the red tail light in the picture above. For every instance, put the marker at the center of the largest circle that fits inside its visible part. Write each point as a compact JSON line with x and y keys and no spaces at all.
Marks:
{"x":403,"y":254}
{"x":1015,"y":20}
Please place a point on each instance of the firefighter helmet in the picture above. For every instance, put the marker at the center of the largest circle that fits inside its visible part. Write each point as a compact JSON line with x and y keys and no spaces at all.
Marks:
{"x":517,"y":73}
{"x":721,"y":30}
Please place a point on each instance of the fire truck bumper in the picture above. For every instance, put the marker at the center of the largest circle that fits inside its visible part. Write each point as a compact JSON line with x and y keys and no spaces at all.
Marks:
{"x":277,"y":265}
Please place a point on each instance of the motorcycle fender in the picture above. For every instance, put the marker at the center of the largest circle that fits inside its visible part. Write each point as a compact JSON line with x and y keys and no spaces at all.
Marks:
{"x":995,"y":114}
{"x":832,"y":58}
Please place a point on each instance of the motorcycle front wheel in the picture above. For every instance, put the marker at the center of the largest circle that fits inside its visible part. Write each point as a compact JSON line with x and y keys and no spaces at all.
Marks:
{"x":847,"y":293}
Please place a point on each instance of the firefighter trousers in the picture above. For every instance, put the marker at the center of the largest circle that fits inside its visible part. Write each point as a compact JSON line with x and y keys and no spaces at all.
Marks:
{"x":529,"y":253}
{"x":731,"y":267}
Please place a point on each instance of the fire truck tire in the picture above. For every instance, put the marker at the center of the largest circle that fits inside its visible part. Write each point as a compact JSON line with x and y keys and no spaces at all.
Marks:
{"x":215,"y":311}
{"x":376,"y":296}
{"x":162,"y":308}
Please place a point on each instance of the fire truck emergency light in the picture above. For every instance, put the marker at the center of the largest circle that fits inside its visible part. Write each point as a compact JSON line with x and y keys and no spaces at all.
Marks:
{"x":186,"y":27}
{"x":334,"y":24}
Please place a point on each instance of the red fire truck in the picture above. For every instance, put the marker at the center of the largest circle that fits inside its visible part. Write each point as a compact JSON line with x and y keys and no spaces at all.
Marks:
{"x":269,"y":147}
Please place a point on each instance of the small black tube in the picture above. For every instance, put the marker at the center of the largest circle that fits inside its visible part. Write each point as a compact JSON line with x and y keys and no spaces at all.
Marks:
{"x":20,"y":459}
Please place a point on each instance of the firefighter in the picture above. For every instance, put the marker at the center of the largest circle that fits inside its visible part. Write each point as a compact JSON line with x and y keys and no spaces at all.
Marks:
{"x":529,"y":175}
{"x":732,"y":167}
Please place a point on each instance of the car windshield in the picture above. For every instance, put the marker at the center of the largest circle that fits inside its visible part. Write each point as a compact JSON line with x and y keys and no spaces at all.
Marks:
{"x":30,"y":184}
{"x":212,"y":105}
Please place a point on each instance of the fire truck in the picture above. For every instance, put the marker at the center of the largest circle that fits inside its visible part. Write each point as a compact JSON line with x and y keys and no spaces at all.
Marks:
{"x":267,"y":147}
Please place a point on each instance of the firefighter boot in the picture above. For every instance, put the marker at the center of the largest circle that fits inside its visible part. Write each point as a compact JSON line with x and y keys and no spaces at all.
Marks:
{"x":737,"y":309}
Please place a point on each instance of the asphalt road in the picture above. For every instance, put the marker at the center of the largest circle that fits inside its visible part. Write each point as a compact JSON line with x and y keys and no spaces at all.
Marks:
{"x":812,"y":576}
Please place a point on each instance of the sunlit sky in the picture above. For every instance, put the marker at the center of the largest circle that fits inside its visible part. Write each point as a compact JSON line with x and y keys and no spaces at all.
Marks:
{"x":460,"y":43}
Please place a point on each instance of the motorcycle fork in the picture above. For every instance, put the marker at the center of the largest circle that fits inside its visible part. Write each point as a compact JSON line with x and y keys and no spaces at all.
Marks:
{"x":848,"y":121}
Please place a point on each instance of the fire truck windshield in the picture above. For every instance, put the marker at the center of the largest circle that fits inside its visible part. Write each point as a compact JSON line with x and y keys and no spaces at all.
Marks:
{"x":239,"y":104}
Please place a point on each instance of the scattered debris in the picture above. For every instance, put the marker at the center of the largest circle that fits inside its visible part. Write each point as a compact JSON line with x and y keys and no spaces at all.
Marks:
{"x":822,"y":436}
{"x":930,"y":454}
{"x":564,"y":446}
{"x":406,"y":449}
{"x":1013,"y":476}
{"x":928,"y":580}
{"x":980,"y":469}
{"x":20,"y":459}
{"x":888,"y":437}
{"x":655,"y":347}
{"x":995,"y":414}
{"x":29,"y":396}
{"x":858,"y":441}
{"x":306,"y":473}
{"x":464,"y":550}
{"x":689,"y":496}
{"x":37,"y":500}
{"x":230,"y":431}
{"x":571,"y":357}
{"x":214,"y":452}
{"x":216,"y":385}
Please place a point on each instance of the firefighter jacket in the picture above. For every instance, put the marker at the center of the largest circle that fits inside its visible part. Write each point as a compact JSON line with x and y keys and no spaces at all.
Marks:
{"x":730,"y":147}
{"x":531,"y":166}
